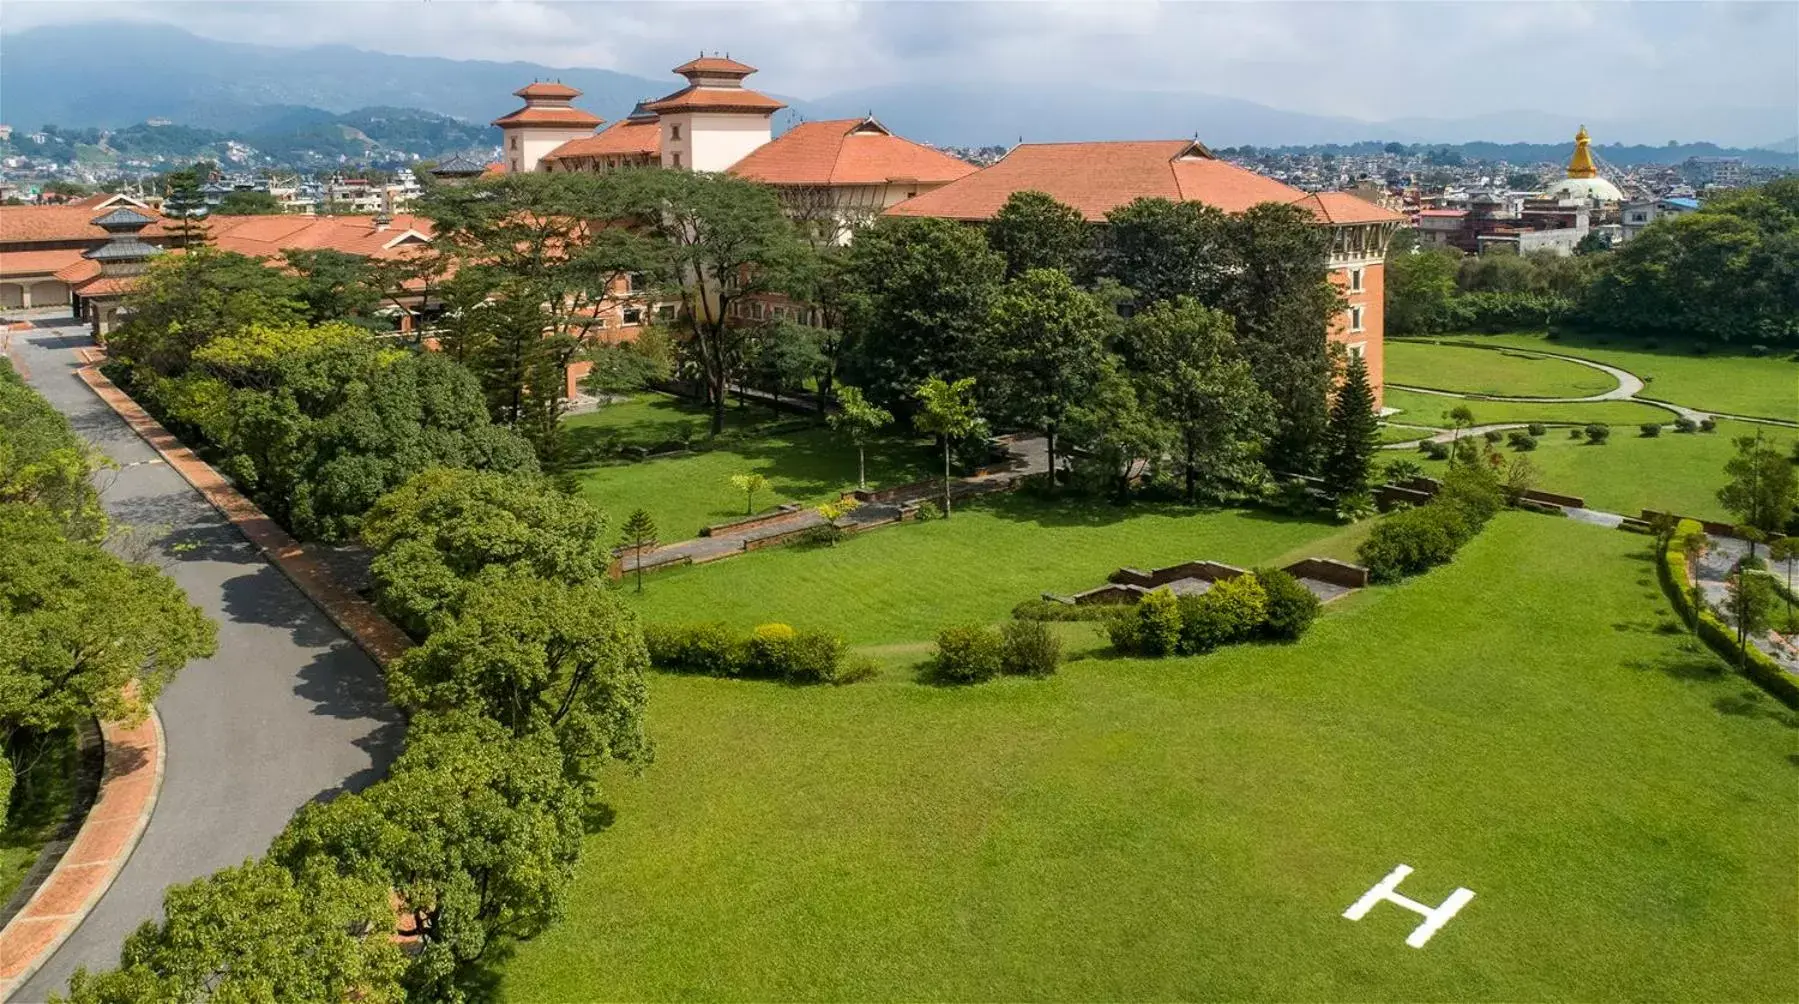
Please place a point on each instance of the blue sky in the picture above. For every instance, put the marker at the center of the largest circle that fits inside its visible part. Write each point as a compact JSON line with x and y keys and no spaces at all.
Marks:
{"x":1367,"y":60}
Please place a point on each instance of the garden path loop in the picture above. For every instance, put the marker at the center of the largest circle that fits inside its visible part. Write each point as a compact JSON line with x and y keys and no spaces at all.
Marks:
{"x":1629,"y":386}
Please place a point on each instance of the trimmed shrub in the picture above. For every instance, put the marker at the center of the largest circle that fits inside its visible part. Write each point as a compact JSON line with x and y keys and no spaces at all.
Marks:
{"x":1291,"y":607}
{"x":1124,"y":630}
{"x":1159,"y":623}
{"x":1650,"y":430}
{"x":1522,"y":442}
{"x":772,"y":651}
{"x":1050,"y":610}
{"x":1537,"y":429}
{"x":708,"y":648}
{"x":1233,"y":610}
{"x":1685,"y":424}
{"x":818,"y":657}
{"x":1412,"y":541}
{"x":927,"y":510}
{"x":1576,"y":434}
{"x":1492,"y":435}
{"x":1029,"y":648}
{"x":1435,"y":451}
{"x":967,"y":654}
{"x":1708,"y":424}
{"x":1598,"y":433}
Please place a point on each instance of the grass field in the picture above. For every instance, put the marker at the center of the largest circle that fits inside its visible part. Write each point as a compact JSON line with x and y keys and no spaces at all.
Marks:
{"x":900,"y":584}
{"x":1394,"y":434}
{"x":1481,"y":371}
{"x":1764,"y":387}
{"x":40,"y":804}
{"x":1671,"y":472}
{"x":1429,"y":409}
{"x":1525,"y":722}
{"x":689,"y":491}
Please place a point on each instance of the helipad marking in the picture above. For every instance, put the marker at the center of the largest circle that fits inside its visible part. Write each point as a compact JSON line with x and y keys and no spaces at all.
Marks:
{"x":1434,"y":917}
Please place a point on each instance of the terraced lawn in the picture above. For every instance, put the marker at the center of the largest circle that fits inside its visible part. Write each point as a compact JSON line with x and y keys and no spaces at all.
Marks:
{"x":1527,"y":723}
{"x":1763,"y":387}
{"x":1671,"y":472}
{"x":688,"y":491}
{"x":1481,"y":371}
{"x":1431,"y":409}
{"x":900,"y":584}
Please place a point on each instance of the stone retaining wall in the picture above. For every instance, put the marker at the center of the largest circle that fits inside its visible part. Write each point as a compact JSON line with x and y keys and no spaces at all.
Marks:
{"x":1337,"y":573}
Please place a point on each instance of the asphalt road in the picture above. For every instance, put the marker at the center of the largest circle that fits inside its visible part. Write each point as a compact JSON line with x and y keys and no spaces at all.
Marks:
{"x":289,"y":710}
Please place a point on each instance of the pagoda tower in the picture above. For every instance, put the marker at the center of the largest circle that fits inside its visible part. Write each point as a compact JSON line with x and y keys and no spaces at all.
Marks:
{"x":548,"y":120}
{"x":714,"y":121}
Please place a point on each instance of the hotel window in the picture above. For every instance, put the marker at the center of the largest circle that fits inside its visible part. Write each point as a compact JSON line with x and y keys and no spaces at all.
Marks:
{"x":675,"y":159}
{"x":1355,"y":318}
{"x":515,"y":142}
{"x":1355,"y":280}
{"x":633,"y":315}
{"x":665,"y":312}
{"x":674,"y":132}
{"x":1358,"y":350}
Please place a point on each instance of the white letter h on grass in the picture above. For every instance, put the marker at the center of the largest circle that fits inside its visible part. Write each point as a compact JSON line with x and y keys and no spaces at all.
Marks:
{"x":1434,"y":917}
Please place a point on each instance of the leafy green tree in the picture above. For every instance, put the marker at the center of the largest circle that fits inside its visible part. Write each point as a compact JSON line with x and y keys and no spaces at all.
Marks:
{"x":250,"y":204}
{"x":621,"y":369}
{"x":335,"y":286}
{"x":1046,"y":350}
{"x":44,"y":465}
{"x":1353,"y":435}
{"x":1750,"y":598}
{"x":785,"y":355}
{"x":720,"y":240}
{"x":1034,"y":231}
{"x":639,"y":534}
{"x":1193,"y":376}
{"x":1114,"y":433}
{"x":1282,"y":300}
{"x":542,"y":254}
{"x":436,"y":534}
{"x":1785,"y":551}
{"x":183,"y":203}
{"x":83,"y":634}
{"x":1163,"y":250}
{"x":1459,"y":417}
{"x":1421,"y":291}
{"x":948,"y":411}
{"x":751,"y":485}
{"x":1762,"y":490}
{"x":184,"y":301}
{"x":254,"y":357}
{"x":476,"y":830}
{"x":859,"y":419}
{"x":919,"y":293}
{"x":1694,"y":547}
{"x":257,"y":932}
{"x":538,"y":655}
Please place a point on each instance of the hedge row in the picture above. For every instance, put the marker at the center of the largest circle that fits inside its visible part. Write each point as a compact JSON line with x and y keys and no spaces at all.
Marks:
{"x":770,"y":652}
{"x":1415,"y":540}
{"x":1053,"y":610}
{"x":1755,"y":664}
{"x":1268,"y":603}
{"x":974,"y":653}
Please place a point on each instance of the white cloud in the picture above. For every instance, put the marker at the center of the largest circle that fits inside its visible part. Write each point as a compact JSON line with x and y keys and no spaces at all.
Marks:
{"x":1373,"y":60}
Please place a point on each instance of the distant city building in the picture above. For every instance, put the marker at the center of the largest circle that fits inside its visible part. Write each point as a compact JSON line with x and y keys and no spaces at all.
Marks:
{"x":1639,"y":214}
{"x":1713,"y":172}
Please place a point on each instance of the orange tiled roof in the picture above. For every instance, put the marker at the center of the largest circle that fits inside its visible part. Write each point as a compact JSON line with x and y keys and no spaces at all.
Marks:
{"x":27,"y":263}
{"x":552,"y":115}
{"x":1342,"y":207}
{"x":78,"y":271}
{"x":107,"y":285}
{"x":548,"y":89}
{"x":268,"y":236}
{"x":492,"y":169}
{"x":715,"y":64}
{"x":1096,"y":178}
{"x":621,"y":138}
{"x":19,"y":224}
{"x":846,"y":152}
{"x":715,"y":99}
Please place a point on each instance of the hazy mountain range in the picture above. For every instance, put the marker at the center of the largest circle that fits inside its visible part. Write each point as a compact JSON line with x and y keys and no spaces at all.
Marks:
{"x":114,"y":74}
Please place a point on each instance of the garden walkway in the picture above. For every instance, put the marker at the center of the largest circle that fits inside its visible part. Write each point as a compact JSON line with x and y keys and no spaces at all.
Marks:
{"x":1027,"y":455}
{"x":1629,"y":387}
{"x":1715,"y":567}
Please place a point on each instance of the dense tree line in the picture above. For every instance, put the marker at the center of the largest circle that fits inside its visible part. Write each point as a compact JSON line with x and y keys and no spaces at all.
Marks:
{"x":84,"y":633}
{"x":1727,"y":274}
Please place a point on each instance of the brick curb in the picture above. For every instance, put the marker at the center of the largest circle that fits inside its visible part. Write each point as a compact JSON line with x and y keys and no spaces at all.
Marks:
{"x":129,"y":785}
{"x":357,"y":617}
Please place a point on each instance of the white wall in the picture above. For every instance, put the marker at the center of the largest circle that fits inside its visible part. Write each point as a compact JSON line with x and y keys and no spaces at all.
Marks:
{"x":533,"y":143}
{"x":713,"y":141}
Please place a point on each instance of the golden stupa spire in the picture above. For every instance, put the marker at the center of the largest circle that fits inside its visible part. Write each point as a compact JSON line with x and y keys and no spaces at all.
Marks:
{"x":1582,"y":164}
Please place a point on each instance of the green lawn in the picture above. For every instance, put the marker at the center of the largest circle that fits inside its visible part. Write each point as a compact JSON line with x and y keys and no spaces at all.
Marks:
{"x":1428,"y":409}
{"x":1525,"y":722}
{"x":40,"y":803}
{"x":1671,"y":472}
{"x":650,"y":419}
{"x":1480,"y":371}
{"x":900,"y":584}
{"x":1395,"y":434}
{"x":689,"y":491}
{"x":1765,"y":387}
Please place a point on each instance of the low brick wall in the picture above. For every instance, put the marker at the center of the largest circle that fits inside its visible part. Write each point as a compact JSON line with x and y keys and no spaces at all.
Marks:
{"x":1113,"y":593}
{"x":1337,"y":573}
{"x":783,"y":511}
{"x":1211,"y":571}
{"x":1554,"y":498}
{"x":1712,"y":527}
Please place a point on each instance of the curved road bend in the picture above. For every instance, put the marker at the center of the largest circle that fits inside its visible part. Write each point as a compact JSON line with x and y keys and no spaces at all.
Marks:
{"x":288,"y":710}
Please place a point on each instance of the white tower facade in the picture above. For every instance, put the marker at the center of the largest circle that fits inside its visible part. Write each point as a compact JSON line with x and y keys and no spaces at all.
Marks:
{"x":548,"y":120}
{"x":714,"y":121}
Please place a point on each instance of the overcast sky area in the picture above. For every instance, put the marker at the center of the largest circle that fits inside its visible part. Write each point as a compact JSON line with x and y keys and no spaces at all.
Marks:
{"x":1367,"y":60}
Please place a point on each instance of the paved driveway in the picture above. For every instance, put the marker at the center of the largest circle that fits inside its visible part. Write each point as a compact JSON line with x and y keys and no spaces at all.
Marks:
{"x":287,"y":711}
